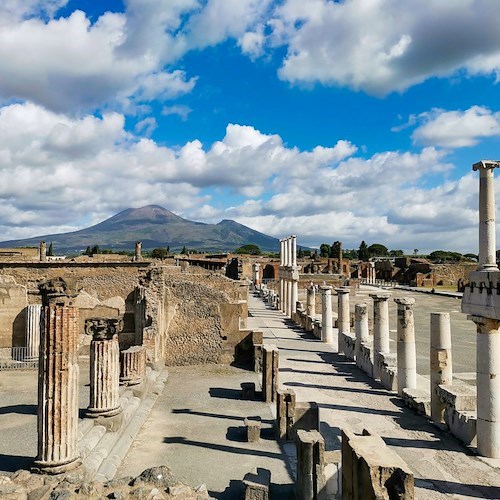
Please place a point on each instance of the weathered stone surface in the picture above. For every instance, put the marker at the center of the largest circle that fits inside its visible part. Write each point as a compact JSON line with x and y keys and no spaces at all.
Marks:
{"x":270,"y":361}
{"x":13,"y":300}
{"x":253,"y":425}
{"x":311,"y":479}
{"x":460,"y":396}
{"x":257,"y":485}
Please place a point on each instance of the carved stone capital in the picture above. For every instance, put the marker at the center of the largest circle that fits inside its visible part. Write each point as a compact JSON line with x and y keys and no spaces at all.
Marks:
{"x":103,"y":328}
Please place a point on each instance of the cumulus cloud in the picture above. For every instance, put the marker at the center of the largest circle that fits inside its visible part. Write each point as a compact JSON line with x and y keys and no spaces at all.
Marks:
{"x":456,"y":129}
{"x":177,"y":109}
{"x":385,"y":45}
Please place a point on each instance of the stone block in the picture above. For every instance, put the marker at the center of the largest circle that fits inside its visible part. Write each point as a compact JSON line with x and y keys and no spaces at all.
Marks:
{"x":349,"y":345}
{"x":270,"y":356}
{"x":253,"y":426}
{"x":387,"y":369}
{"x":364,"y":361}
{"x":311,"y":479}
{"x":257,"y":485}
{"x":461,"y":424}
{"x":257,"y":358}
{"x":460,"y":396}
{"x":248,"y":390}
{"x":285,"y":414}
{"x":418,"y":399}
{"x":306,"y":417}
{"x":333,"y":473}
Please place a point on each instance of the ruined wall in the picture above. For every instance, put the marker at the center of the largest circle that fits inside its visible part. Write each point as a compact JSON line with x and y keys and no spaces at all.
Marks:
{"x":449,"y":274}
{"x":13,"y":301}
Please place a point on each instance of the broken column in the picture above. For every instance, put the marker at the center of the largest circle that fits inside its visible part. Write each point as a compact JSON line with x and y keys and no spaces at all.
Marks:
{"x":58,"y":374}
{"x":406,"y":350}
{"x":33,"y":318}
{"x":343,"y":318}
{"x":256,"y":275}
{"x":327,"y":335}
{"x":138,"y":251}
{"x":360,"y":326}
{"x":311,"y":481}
{"x":43,"y":251}
{"x":104,"y":367}
{"x":380,"y":328}
{"x":440,"y":360}
{"x":311,"y":302}
{"x":133,"y":365}
{"x":270,"y":369}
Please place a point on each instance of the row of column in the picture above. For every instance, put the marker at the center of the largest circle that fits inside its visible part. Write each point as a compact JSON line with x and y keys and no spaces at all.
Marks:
{"x":289,"y":275}
{"x":58,"y":386}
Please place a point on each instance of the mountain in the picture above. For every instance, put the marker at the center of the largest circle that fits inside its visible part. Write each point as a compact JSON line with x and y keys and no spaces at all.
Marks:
{"x":156,"y":227}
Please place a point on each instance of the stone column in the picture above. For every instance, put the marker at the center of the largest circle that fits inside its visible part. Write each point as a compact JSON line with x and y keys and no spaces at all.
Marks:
{"x":285,"y":252}
{"x":327,"y":335}
{"x":440,"y":358}
{"x":138,"y":251}
{"x":43,"y":251}
{"x":282,"y":293}
{"x":295,"y":295}
{"x":104,"y":367}
{"x":256,"y":274}
{"x":311,"y":302}
{"x":133,"y":365}
{"x":58,"y":390}
{"x":344,"y":315}
{"x":380,"y":328}
{"x":290,"y":251}
{"x":33,"y":318}
{"x":487,"y":239}
{"x":406,"y":351}
{"x":293,"y":239}
{"x":311,"y":480}
{"x":270,"y":370}
{"x":360,"y":326}
{"x":289,"y":296}
{"x":488,"y":386}
{"x":341,"y":259}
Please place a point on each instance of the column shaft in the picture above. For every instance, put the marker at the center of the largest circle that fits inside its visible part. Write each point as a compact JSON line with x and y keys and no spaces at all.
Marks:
{"x":380,"y":328}
{"x":344,"y":315}
{"x":360,"y":326}
{"x":33,"y":318}
{"x":406,"y":352}
{"x":326,"y":316}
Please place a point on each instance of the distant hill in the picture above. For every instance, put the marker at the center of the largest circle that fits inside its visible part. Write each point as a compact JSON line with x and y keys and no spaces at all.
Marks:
{"x":156,"y":227}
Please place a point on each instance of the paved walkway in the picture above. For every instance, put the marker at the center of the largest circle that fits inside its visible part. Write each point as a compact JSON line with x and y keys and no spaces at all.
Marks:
{"x":442,"y":467}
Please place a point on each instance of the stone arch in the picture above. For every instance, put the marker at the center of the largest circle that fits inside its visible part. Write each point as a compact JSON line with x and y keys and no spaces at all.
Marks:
{"x":268,"y":272}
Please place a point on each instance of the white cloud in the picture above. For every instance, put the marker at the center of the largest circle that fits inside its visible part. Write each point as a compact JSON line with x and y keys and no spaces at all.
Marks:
{"x":456,"y":129}
{"x":177,"y":109}
{"x":252,"y":42}
{"x":381,"y":46}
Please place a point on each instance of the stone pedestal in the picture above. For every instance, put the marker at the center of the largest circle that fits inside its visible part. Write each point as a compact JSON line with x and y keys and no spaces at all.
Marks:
{"x":406,"y":350}
{"x":343,"y":318}
{"x":360,"y":327}
{"x":270,"y":364}
{"x":58,"y":390}
{"x":488,"y":386}
{"x":132,"y":365}
{"x":33,"y":318}
{"x":104,"y":367}
{"x":380,"y":328}
{"x":440,"y":360}
{"x":311,"y":481}
{"x":327,"y":335}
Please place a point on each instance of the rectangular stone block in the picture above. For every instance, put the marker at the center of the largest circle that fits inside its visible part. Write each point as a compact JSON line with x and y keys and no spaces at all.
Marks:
{"x":306,"y":417}
{"x":257,"y":485}
{"x":371,"y":470}
{"x":462,"y":424}
{"x":253,"y":426}
{"x":248,"y":391}
{"x":257,"y":358}
{"x":311,"y":481}
{"x":349,"y":345}
{"x":418,"y":399}
{"x":285,"y":414}
{"x":270,"y":357}
{"x":460,"y":396}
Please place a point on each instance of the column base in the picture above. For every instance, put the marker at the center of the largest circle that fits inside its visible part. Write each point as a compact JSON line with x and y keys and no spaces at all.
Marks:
{"x":52,"y":468}
{"x":99,"y":412}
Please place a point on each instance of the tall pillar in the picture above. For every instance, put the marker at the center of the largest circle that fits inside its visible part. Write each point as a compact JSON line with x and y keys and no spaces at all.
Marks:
{"x":295,"y":295}
{"x":488,"y":386}
{"x":256,"y":274}
{"x":58,"y":389}
{"x":327,"y":335}
{"x":43,"y":251}
{"x":282,"y":279}
{"x":440,"y":358}
{"x":285,"y":252}
{"x":289,"y":242}
{"x":311,"y":302}
{"x":138,"y":251}
{"x":289,"y":296}
{"x":311,"y":480}
{"x":487,"y":239}
{"x":293,"y":239}
{"x":341,"y":271}
{"x":33,"y":318}
{"x":360,"y":326}
{"x":282,"y":293}
{"x":104,"y":367}
{"x":406,"y":351}
{"x":380,"y":327}
{"x":344,"y":315}
{"x":270,"y":371}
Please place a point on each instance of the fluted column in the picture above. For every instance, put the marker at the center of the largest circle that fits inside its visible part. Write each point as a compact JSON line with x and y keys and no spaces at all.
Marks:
{"x":104,"y":367}
{"x":133,"y":365}
{"x":326,"y":316}
{"x":58,"y":390}
{"x":33,"y":318}
{"x":406,"y":350}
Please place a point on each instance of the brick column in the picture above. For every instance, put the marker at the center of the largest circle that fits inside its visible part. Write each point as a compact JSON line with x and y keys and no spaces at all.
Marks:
{"x":104,"y":367}
{"x":58,"y":389}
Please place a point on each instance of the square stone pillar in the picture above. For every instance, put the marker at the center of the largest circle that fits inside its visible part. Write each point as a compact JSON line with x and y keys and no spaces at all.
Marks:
{"x":270,"y":368}
{"x":311,"y":482}
{"x":285,"y":414}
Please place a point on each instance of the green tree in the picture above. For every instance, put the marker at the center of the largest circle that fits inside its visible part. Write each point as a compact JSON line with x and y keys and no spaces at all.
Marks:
{"x":444,"y":255}
{"x":335,"y":249}
{"x":159,"y":253}
{"x":184,"y":250}
{"x":471,"y":256}
{"x":378,"y":250}
{"x":249,"y":248}
{"x":363,"y":253}
{"x":300,"y":253}
{"x":50,"y":252}
{"x":396,"y":253}
{"x":324,"y":250}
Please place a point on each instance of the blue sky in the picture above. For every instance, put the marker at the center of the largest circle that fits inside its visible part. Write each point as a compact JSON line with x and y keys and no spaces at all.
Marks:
{"x":349,"y":120}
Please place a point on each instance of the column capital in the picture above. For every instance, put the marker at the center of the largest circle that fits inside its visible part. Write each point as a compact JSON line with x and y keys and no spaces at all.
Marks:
{"x":486,"y":165}
{"x":485,"y":325}
{"x":342,"y":290}
{"x":405,"y":301}
{"x":379,"y":296}
{"x":102,"y":328}
{"x":325,"y":288}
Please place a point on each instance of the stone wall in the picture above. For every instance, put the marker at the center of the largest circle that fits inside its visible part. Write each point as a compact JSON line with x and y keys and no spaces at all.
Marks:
{"x":13,"y":301}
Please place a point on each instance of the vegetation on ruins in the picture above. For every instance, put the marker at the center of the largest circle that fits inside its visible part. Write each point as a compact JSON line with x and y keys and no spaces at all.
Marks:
{"x":363,"y":253}
{"x":249,"y":248}
{"x":50,"y":251}
{"x":378,"y":250}
{"x":160,"y":253}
